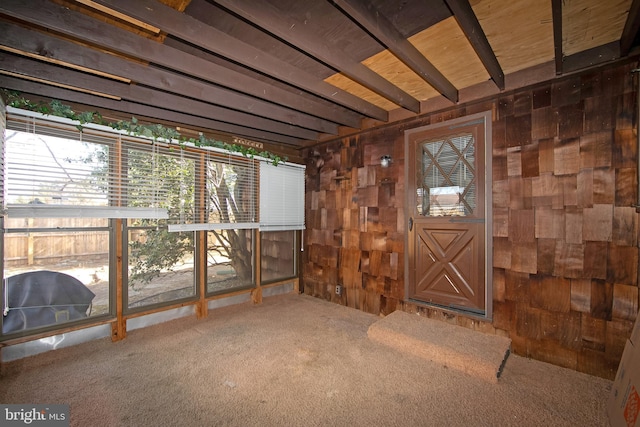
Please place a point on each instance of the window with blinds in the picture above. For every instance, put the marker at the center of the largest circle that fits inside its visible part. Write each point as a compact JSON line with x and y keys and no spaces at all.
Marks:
{"x":281,"y":197}
{"x":55,"y":170}
{"x":221,"y":192}
{"x":3,"y":127}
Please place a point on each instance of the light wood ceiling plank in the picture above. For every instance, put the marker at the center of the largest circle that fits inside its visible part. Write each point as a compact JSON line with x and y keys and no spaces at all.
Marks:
{"x":447,"y":48}
{"x":469,"y":24}
{"x":520,"y":32}
{"x":345,"y":83}
{"x":592,"y":23}
{"x":436,"y":44}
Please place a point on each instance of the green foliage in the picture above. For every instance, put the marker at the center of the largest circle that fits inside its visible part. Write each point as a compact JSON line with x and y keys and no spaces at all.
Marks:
{"x":161,"y":252}
{"x":133,"y":127}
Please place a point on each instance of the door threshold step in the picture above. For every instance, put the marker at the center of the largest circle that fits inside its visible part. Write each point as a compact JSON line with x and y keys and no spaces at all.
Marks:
{"x":475,"y":353}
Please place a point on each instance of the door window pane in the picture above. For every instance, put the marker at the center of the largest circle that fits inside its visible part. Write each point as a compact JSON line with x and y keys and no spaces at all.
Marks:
{"x":446,"y":182}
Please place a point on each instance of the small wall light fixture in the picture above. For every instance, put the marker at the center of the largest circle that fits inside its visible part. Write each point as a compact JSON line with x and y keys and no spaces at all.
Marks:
{"x":385,"y":161}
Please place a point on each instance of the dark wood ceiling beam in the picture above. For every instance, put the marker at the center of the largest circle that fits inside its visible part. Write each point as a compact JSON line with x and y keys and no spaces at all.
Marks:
{"x":365,"y":14}
{"x":142,"y":95}
{"x":591,"y":57}
{"x":137,"y":110}
{"x":631,"y":28}
{"x":556,"y":14}
{"x":56,"y":49}
{"x":200,"y":34}
{"x":79,"y":26}
{"x":463,"y":12}
{"x":289,"y":28}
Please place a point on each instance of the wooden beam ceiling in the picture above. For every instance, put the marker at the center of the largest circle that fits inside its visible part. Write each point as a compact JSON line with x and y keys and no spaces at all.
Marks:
{"x":139,"y":110}
{"x":41,"y":45}
{"x":384,"y":31}
{"x":143,"y":95}
{"x":468,"y":21}
{"x":294,"y":30}
{"x":207,"y":37}
{"x":74,"y":24}
{"x":290,"y":73}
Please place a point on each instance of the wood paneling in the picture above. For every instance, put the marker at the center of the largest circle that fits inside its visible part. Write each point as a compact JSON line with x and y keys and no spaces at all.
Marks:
{"x":565,"y":226}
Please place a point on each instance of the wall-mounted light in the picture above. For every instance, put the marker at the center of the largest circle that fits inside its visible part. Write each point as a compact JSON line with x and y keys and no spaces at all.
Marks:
{"x":385,"y":161}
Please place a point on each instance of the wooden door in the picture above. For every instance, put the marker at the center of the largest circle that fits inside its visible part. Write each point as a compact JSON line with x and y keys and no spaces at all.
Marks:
{"x":447,"y":216}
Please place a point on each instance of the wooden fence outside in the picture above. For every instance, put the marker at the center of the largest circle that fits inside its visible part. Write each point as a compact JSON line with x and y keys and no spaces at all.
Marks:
{"x":52,"y":247}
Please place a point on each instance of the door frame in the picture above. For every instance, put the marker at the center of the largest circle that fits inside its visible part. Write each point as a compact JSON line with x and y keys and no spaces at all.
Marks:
{"x":409,"y":212}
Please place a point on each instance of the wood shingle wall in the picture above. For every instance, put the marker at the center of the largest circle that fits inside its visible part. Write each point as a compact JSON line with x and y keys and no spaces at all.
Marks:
{"x":565,"y":227}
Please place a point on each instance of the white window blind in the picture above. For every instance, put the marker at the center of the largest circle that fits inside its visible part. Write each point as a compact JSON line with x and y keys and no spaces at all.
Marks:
{"x":54,"y":170}
{"x":223,"y":193}
{"x":281,"y":197}
{"x":3,"y":127}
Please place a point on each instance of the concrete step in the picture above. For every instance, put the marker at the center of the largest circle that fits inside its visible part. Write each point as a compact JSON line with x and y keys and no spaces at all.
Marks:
{"x":476,"y":353}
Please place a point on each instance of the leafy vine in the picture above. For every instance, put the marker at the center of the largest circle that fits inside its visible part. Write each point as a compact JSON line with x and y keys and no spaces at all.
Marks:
{"x":133,"y":127}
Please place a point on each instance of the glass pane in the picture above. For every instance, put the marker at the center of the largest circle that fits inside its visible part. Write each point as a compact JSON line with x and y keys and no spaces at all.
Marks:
{"x":54,"y":276}
{"x":161,"y":266}
{"x":278,"y":258}
{"x":446,"y":183}
{"x":48,"y":170}
{"x":161,"y":180}
{"x":229,"y":260}
{"x":231,"y":192}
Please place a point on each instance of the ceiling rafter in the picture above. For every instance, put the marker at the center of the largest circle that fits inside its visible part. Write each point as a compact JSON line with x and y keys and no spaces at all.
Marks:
{"x":198,"y":33}
{"x":591,"y":57}
{"x":272,"y":20}
{"x":75,"y":24}
{"x":463,"y":12}
{"x":631,"y":28}
{"x":71,"y":86}
{"x":383,"y":30}
{"x":138,"y":111}
{"x":556,"y":14}
{"x":45,"y":47}
{"x":278,"y":73}
{"x":142,"y":95}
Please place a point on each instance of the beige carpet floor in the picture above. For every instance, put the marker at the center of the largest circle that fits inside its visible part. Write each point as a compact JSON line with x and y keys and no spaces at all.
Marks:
{"x":294,"y":360}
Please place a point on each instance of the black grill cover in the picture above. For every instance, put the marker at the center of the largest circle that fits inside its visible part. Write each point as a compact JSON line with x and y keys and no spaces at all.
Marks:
{"x":42,"y":298}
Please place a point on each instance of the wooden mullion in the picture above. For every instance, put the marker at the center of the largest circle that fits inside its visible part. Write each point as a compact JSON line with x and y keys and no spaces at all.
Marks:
{"x":119,"y":327}
{"x":256,"y":294}
{"x":201,"y":238}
